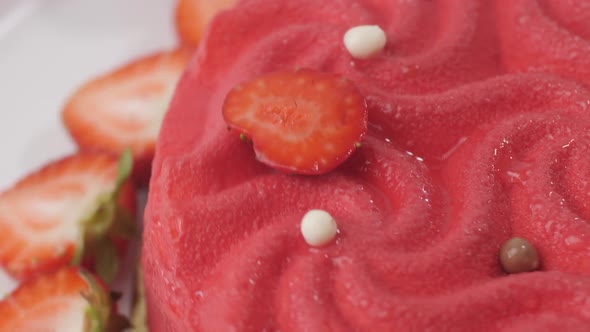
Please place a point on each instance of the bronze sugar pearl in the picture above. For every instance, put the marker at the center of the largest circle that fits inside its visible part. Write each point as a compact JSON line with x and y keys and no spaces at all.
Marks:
{"x":519,"y":255}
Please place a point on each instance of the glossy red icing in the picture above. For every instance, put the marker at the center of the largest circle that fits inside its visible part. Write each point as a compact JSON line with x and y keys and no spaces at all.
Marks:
{"x":479,"y":131}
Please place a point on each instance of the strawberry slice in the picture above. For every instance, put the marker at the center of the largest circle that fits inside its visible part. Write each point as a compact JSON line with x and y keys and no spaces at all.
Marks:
{"x":193,"y":16}
{"x":80,"y":207}
{"x":68,"y":299}
{"x":301,"y":121}
{"x":125,"y":108}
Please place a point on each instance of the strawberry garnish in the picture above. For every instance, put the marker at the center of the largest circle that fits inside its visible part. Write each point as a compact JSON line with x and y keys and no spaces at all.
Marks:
{"x":68,"y":299}
{"x":125,"y":108}
{"x":301,"y":121}
{"x":192,"y":17}
{"x":80,"y":207}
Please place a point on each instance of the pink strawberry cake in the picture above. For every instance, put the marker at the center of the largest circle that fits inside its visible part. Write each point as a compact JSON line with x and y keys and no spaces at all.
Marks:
{"x":478,"y":131}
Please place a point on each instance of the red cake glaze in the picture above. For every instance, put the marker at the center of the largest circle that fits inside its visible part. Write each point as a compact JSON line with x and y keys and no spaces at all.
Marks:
{"x":479,"y":116}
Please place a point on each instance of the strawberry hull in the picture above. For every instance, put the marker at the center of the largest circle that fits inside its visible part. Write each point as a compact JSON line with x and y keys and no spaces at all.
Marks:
{"x":128,"y":201}
{"x":477,"y":133}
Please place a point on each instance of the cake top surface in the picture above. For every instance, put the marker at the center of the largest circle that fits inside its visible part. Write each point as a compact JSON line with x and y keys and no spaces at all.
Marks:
{"x":478,"y":117}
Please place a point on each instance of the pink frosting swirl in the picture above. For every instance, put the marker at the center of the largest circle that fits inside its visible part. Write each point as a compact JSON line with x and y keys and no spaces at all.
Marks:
{"x":479,"y":118}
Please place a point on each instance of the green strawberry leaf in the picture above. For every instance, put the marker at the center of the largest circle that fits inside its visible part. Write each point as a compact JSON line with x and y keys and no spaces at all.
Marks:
{"x":124,"y":169}
{"x":124,"y":224}
{"x":106,"y":262}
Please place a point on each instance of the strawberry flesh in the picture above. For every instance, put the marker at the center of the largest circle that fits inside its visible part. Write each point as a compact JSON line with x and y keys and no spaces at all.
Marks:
{"x":125,"y":108}
{"x":303,"y":121}
{"x":67,"y":299}
{"x":193,"y":16}
{"x":44,"y":216}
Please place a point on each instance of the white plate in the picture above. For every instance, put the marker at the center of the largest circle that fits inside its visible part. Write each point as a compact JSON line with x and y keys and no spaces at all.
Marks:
{"x":47,"y":49}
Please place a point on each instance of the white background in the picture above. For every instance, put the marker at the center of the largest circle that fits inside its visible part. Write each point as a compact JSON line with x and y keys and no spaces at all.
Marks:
{"x":47,"y":49}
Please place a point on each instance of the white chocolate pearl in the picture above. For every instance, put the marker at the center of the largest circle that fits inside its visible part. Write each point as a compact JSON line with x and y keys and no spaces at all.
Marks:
{"x":364,"y":41}
{"x":318,"y":228}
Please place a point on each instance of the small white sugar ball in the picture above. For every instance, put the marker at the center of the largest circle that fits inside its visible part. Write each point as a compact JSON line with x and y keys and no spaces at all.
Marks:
{"x":318,"y":228}
{"x":365,"y":41}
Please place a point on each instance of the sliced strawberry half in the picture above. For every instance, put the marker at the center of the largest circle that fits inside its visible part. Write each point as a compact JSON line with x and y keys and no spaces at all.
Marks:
{"x":80,"y":207}
{"x":125,"y":108}
{"x":68,"y":299}
{"x":301,"y":121}
{"x":193,"y":16}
